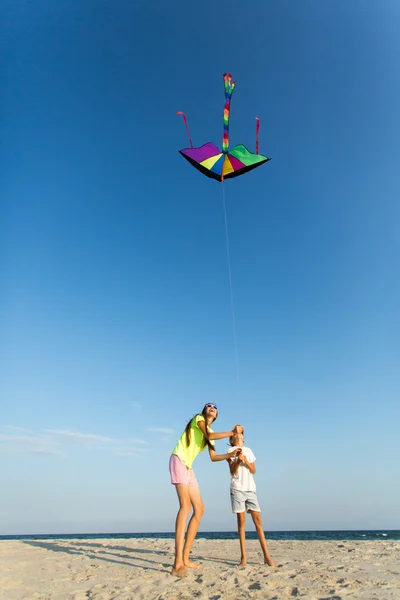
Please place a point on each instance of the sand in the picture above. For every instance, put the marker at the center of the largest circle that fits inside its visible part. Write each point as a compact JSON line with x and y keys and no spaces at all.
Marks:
{"x":139,"y":569}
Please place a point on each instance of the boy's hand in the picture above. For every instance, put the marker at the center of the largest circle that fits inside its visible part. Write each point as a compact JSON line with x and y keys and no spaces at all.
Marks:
{"x":237,"y":452}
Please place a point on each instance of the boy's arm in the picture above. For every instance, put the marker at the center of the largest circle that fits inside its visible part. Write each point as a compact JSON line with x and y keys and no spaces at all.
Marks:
{"x":233,"y":466}
{"x":250,"y":465}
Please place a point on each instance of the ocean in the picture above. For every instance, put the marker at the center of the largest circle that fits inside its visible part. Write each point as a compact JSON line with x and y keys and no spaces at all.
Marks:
{"x":384,"y":534}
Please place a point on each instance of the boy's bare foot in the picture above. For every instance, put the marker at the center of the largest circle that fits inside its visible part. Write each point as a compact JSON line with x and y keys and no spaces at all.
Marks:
{"x":191,"y":565}
{"x":179,"y":572}
{"x":269,"y":561}
{"x":243,"y":562}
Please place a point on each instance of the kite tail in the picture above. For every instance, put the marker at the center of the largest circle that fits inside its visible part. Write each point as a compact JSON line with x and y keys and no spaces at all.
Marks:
{"x":229,"y":87}
{"x":186,"y":125}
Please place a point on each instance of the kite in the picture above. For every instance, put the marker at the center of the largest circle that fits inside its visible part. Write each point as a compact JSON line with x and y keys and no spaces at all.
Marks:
{"x":225,"y":164}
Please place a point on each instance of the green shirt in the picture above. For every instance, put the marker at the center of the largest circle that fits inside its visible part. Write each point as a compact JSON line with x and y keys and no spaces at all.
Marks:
{"x":189,"y":453}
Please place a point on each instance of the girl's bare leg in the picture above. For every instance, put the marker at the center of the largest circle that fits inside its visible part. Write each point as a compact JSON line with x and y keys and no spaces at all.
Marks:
{"x":180,"y":525}
{"x":256,"y":516}
{"x":241,"y":520}
{"x":198,"y":512}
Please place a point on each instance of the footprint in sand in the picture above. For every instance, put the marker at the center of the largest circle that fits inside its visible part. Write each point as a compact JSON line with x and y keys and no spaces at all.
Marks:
{"x":255,"y":586}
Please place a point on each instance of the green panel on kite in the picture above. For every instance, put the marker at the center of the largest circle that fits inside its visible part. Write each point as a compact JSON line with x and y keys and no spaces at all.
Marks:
{"x":247,"y":158}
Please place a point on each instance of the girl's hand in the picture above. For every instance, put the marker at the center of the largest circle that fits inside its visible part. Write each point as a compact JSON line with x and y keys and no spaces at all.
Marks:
{"x":237,"y":452}
{"x":238,"y":429}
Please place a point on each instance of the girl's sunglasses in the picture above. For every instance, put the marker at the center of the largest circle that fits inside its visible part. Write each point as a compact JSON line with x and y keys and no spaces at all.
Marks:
{"x":211,"y":406}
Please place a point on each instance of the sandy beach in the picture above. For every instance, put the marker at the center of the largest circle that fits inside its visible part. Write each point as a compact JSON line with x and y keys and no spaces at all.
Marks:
{"x":139,"y":569}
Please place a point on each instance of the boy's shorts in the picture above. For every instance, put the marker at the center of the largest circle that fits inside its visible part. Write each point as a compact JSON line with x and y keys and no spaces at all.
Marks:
{"x":242,"y":501}
{"x":180,"y":473}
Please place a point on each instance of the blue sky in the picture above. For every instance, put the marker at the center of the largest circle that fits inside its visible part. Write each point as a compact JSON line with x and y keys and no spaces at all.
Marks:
{"x":115,"y":314}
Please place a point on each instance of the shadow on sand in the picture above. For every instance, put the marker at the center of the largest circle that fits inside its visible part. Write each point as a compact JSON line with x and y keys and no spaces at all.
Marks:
{"x":110,"y":553}
{"x":102,"y":552}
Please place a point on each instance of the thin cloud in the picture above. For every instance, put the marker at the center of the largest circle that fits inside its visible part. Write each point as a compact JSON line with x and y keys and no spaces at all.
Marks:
{"x":130,"y":453}
{"x":48,"y":451}
{"x":75,"y":437}
{"x":29,"y":444}
{"x":161,"y":430}
{"x":56,"y":442}
{"x":126,"y":451}
{"x":21,"y":439}
{"x":16,"y":438}
{"x":135,"y":404}
{"x":15,"y":428}
{"x":136,"y":441}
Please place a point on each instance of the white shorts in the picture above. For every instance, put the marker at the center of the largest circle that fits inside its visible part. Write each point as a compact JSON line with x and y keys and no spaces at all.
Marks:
{"x":242,"y":501}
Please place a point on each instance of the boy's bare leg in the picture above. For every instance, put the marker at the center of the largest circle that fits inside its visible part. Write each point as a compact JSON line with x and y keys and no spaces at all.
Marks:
{"x":198,"y":512}
{"x":180,"y":525}
{"x":241,"y":520}
{"x":256,"y":516}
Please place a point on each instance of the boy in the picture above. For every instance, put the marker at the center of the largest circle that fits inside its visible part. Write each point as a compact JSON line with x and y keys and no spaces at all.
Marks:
{"x":243,"y":496}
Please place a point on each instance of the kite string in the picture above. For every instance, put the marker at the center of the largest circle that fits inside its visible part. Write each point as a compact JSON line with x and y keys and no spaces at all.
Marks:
{"x":230,"y":281}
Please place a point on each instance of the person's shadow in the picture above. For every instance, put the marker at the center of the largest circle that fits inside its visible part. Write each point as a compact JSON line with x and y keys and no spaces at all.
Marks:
{"x":95,"y":550}
{"x":105,"y":553}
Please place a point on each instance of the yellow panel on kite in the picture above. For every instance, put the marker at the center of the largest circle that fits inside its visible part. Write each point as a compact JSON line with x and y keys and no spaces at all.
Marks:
{"x":210,"y":162}
{"x":227,"y":166}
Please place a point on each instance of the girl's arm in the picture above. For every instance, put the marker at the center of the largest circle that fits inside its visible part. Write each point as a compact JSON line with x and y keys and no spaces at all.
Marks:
{"x":215,"y":436}
{"x":217,"y":457}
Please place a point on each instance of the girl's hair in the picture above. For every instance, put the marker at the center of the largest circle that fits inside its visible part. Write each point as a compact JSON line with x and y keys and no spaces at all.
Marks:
{"x":187,"y":429}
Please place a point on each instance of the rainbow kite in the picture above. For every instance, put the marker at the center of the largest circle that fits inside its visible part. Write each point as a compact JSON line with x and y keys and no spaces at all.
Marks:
{"x":210,"y":161}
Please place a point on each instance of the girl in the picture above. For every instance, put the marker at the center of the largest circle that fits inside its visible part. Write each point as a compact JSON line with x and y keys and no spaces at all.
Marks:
{"x":196,"y":437}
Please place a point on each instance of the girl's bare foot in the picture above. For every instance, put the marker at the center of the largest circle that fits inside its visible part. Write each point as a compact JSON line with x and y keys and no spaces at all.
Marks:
{"x":179,"y":571}
{"x":269,"y":561}
{"x":243,"y":562}
{"x":191,"y":565}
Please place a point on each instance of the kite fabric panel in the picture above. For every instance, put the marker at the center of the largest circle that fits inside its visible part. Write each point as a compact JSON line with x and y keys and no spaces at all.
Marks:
{"x":223,"y":164}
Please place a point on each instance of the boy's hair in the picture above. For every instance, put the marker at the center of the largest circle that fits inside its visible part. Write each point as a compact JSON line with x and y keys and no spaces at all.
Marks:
{"x":232,"y":438}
